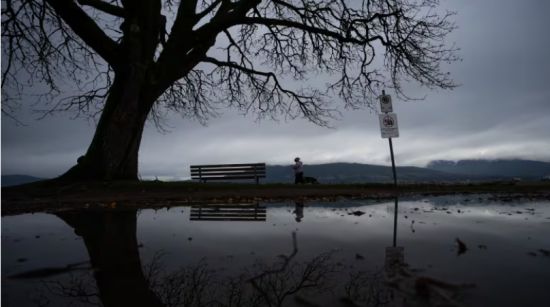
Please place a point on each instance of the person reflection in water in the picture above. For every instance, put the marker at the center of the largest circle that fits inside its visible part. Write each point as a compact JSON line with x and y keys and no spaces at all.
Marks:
{"x":299,"y":210}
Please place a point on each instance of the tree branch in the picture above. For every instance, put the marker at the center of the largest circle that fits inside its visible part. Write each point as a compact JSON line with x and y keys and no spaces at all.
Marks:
{"x":208,"y":9}
{"x":87,"y":29}
{"x":306,"y":28}
{"x":267,"y":94}
{"x":104,"y":7}
{"x":239,"y":67}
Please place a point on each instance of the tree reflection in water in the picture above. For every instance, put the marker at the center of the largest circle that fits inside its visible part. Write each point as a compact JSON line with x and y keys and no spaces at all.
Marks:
{"x":110,"y":238}
{"x":122,"y":280}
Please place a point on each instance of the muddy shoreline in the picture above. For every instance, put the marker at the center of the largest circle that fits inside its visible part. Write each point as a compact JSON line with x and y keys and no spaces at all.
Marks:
{"x":53,"y":196}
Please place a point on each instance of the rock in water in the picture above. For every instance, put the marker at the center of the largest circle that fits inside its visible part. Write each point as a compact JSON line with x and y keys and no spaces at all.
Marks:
{"x":461,"y":246}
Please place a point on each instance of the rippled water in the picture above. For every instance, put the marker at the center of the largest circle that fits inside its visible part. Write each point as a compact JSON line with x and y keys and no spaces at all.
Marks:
{"x":286,"y":254}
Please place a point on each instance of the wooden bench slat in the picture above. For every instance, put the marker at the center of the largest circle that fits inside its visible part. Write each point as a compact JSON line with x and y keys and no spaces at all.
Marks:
{"x":245,"y":214}
{"x":221,"y":174}
{"x":228,"y":177}
{"x":231,"y":210}
{"x":227,"y":206}
{"x":227,"y":165}
{"x":210,"y":216}
{"x":236,"y":168}
{"x":210,"y":172}
{"x":228,"y":171}
{"x":228,"y":219}
{"x":229,"y":215}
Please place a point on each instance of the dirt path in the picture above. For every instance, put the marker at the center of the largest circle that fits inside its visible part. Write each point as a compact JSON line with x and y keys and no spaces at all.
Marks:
{"x":48,"y":196}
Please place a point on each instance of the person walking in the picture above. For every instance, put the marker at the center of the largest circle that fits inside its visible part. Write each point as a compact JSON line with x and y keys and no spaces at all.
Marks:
{"x":298,"y":171}
{"x":299,"y":210}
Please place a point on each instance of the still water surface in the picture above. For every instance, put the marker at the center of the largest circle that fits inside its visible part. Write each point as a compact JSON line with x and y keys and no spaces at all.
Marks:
{"x":449,"y":251}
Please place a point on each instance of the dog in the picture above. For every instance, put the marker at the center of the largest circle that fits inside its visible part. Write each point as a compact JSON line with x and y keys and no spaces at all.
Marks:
{"x":311,"y":180}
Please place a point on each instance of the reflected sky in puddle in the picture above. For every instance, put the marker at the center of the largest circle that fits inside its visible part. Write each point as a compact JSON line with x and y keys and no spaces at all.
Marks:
{"x":293,"y":254}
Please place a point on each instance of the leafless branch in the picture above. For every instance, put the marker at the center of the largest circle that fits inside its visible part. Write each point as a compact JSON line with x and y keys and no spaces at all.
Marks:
{"x":104,"y":7}
{"x":279,"y":58}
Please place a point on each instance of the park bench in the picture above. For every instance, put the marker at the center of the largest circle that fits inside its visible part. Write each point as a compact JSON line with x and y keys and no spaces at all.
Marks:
{"x":243,"y":213}
{"x":228,"y":171}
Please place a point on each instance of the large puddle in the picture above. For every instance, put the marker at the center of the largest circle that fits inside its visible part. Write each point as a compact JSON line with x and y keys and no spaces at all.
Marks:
{"x":444,"y":251}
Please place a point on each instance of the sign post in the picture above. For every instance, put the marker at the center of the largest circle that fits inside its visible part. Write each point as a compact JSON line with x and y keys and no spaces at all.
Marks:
{"x":388,"y":127}
{"x":393,"y":164}
{"x":395,"y":255}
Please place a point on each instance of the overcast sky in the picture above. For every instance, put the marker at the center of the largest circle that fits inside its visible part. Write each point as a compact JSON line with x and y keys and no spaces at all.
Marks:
{"x":501,"y":110}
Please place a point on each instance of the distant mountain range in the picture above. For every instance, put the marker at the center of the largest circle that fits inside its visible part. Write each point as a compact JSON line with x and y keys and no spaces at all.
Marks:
{"x":436,"y":171}
{"x":493,"y":168}
{"x":9,"y":180}
{"x":358,"y":173}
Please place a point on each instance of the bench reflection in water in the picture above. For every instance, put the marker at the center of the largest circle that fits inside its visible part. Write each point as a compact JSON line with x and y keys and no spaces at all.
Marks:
{"x":222,"y":212}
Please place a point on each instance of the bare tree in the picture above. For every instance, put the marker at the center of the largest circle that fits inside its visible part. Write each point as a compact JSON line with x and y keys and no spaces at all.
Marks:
{"x":132,"y":60}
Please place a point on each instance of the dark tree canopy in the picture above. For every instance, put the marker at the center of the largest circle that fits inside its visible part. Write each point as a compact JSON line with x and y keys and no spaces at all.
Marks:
{"x":132,"y":60}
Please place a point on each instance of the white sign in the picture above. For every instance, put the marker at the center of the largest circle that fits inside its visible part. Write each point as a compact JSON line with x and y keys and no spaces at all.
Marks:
{"x":388,"y":125}
{"x":385,"y":104}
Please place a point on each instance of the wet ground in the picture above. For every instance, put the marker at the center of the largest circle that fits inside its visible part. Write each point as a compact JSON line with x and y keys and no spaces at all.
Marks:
{"x":441,"y":251}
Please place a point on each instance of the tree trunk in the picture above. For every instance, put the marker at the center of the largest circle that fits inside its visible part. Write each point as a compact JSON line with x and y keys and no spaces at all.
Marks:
{"x":113,"y":153}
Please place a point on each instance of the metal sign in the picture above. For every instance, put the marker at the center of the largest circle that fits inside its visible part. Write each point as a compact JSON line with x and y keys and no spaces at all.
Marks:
{"x":388,"y":125}
{"x":385,"y":104}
